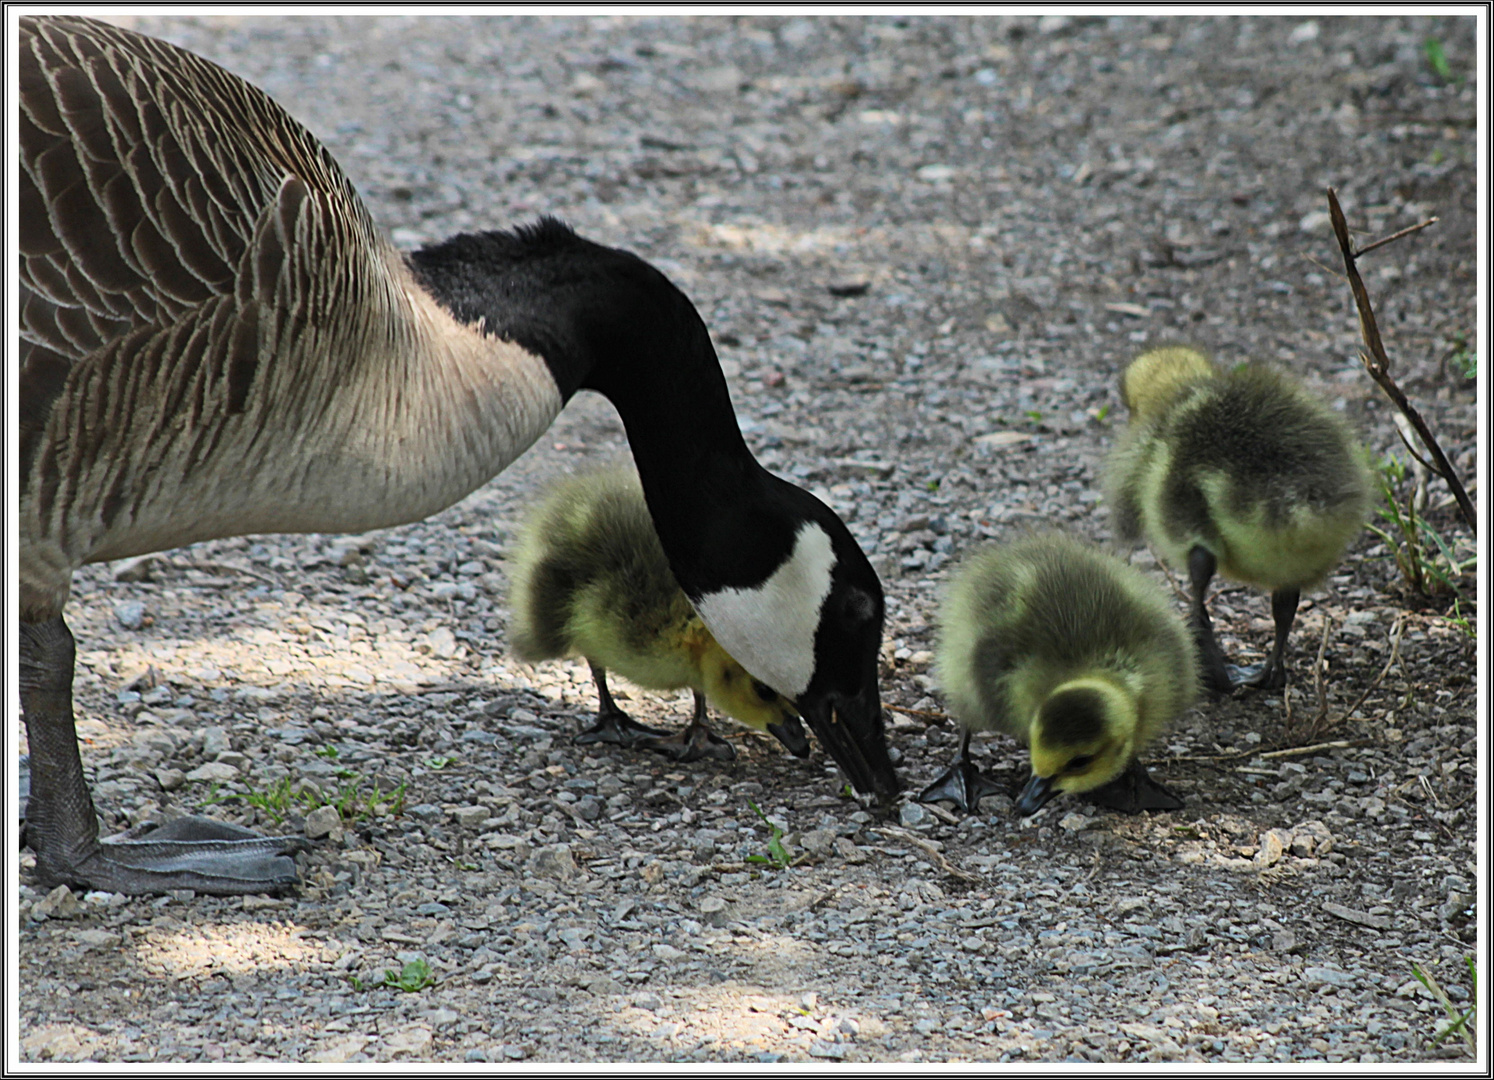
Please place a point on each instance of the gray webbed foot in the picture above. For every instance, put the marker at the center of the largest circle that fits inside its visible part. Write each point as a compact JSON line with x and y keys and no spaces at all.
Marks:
{"x":1266,"y":676}
{"x":695,"y":743}
{"x":962,"y":783}
{"x":196,"y":853}
{"x":617,"y":727}
{"x":61,"y":826}
{"x":1134,"y":791}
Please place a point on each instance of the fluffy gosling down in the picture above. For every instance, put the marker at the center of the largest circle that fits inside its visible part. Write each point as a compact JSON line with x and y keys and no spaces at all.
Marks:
{"x":590,"y":578}
{"x":1075,"y":654}
{"x":1243,"y":472}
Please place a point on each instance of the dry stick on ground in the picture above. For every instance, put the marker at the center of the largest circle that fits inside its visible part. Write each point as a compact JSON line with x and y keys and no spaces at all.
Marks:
{"x":1377,"y":363}
{"x":928,"y":714}
{"x":1288,"y":723}
{"x":1397,"y":631}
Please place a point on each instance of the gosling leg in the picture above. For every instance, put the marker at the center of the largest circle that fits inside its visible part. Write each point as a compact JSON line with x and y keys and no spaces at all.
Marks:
{"x":62,"y":827}
{"x":695,"y":742}
{"x":962,"y":783}
{"x":1216,"y":677}
{"x":612,"y":724}
{"x":1272,"y":674}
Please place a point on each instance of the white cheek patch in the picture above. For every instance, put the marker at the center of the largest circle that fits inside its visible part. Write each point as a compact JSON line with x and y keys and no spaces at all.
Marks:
{"x":770,"y":629}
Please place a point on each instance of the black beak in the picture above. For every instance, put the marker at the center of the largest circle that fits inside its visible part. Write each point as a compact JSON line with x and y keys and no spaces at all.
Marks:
{"x":850,"y":730}
{"x":1035,"y":795}
{"x":790,"y":732}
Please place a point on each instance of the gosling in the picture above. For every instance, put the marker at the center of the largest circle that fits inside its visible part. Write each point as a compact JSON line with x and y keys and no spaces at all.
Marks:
{"x":1075,"y":654}
{"x":590,"y":578}
{"x":1242,"y":472}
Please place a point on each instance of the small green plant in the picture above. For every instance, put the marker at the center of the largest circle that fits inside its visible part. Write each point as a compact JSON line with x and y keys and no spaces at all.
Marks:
{"x":278,"y":801}
{"x":1437,"y":59}
{"x":777,"y":854}
{"x":328,"y":751}
{"x":214,"y":796}
{"x":1461,"y":621}
{"x":353,"y":805}
{"x":1035,"y":415}
{"x":414,"y":977}
{"x":1462,"y":1020}
{"x":1426,"y":561}
{"x":1463,"y":357}
{"x":1102,"y":412}
{"x":439,"y":762}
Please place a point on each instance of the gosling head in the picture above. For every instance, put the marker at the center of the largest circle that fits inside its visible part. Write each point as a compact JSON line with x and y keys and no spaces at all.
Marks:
{"x":1157,"y":375}
{"x":1082,"y":737}
{"x":805,"y":618}
{"x":731,"y":689}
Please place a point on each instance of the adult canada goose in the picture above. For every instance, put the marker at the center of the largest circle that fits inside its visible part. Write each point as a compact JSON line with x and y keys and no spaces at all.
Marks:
{"x":1075,"y":654}
{"x":216,"y":340}
{"x":1240,"y":471}
{"x":589,"y":578}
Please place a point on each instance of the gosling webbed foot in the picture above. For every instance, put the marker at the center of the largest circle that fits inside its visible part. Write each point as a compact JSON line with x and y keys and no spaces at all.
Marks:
{"x":695,"y":743}
{"x":962,"y":784}
{"x":1266,"y":676}
{"x":692,"y":744}
{"x":1133,"y":791}
{"x":617,"y":727}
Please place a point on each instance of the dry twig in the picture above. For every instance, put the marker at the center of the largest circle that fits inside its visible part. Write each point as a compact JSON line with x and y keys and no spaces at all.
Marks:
{"x":1377,"y":363}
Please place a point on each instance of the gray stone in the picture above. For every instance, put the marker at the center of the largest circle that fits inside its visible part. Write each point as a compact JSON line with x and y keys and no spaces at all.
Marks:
{"x":130,"y":614}
{"x":552,"y":861}
{"x":912,"y":815}
{"x":470,"y":817}
{"x":323,"y":822}
{"x":60,"y":903}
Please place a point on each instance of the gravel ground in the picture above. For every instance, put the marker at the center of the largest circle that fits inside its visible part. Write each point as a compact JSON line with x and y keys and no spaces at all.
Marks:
{"x":925,"y":247}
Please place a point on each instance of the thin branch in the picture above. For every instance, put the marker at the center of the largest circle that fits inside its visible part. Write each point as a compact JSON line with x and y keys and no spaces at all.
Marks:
{"x":1298,"y":751}
{"x":1377,"y":363}
{"x":927,"y":714}
{"x":1407,"y":231}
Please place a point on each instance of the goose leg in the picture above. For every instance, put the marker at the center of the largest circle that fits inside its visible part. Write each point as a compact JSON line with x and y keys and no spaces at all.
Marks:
{"x":612,"y":724}
{"x":1216,"y":676}
{"x":695,"y":742}
{"x":962,"y":783}
{"x":1134,"y":791}
{"x":62,"y":827}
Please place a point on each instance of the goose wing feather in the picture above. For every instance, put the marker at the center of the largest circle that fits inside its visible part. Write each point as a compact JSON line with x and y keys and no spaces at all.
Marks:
{"x":163,"y":196}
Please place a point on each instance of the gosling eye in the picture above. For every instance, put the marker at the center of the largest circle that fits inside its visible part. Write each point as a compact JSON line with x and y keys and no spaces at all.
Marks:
{"x":765,"y":692}
{"x":1080,"y":763}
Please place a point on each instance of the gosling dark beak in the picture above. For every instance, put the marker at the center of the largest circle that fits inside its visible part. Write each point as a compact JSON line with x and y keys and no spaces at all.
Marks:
{"x":1035,"y":795}
{"x":850,"y":730}
{"x":790,"y":732}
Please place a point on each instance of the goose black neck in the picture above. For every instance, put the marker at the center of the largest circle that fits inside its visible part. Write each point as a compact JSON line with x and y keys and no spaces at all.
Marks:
{"x":605,"y":320}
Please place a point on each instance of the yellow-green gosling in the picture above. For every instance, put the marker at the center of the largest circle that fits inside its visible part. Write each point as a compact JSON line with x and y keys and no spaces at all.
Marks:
{"x":1240,"y":471}
{"x":1072,"y":652}
{"x":589,"y":578}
